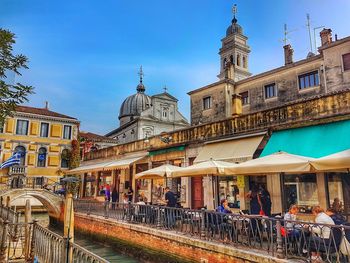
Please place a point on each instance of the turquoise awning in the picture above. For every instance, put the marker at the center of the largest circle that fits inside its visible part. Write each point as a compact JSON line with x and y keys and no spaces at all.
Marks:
{"x":312,"y":141}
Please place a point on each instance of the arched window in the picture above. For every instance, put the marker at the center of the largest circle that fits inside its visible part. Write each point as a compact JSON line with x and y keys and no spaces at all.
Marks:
{"x":65,"y":158}
{"x":245,"y":62}
{"x":232,"y":60}
{"x":238,"y":63}
{"x":42,"y":157}
{"x":20,"y":149}
{"x":224,"y":63}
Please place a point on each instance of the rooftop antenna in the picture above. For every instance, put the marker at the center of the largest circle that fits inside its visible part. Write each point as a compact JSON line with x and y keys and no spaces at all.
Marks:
{"x":315,"y":28}
{"x":286,"y":33}
{"x":308,"y":26}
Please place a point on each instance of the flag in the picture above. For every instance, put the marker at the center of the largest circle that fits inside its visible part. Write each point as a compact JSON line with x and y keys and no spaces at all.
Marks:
{"x":13,"y":160}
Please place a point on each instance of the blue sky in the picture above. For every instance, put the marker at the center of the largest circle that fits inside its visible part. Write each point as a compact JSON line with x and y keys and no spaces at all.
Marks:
{"x":84,"y":55}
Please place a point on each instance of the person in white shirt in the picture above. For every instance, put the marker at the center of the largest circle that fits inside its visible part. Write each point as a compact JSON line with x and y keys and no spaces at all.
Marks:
{"x":321,"y":234}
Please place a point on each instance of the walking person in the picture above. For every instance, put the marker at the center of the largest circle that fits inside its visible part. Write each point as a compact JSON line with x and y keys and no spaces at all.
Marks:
{"x":265,"y":200}
{"x":115,"y":196}
{"x":130,"y":194}
{"x":255,"y":209}
{"x":171,"y":200}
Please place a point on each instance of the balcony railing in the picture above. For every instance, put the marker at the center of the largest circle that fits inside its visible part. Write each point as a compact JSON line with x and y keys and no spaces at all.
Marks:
{"x":18,"y":170}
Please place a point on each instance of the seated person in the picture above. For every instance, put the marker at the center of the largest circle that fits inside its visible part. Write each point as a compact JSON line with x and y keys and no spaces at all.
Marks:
{"x":223,"y":207}
{"x":291,"y":215}
{"x":338,"y":218}
{"x":293,"y":230}
{"x":321,"y":234}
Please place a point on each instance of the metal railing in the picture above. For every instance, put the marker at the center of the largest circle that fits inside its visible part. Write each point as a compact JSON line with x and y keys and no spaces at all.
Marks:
{"x":8,"y":214}
{"x":18,"y":170}
{"x":300,"y":240}
{"x":25,"y":241}
{"x":51,"y":247}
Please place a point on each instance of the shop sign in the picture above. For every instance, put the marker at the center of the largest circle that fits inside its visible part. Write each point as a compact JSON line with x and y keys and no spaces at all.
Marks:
{"x":240,"y":181}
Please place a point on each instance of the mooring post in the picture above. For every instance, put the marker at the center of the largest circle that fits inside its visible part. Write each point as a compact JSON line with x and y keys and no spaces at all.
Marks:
{"x":8,"y":201}
{"x":69,"y":225}
{"x":27,"y":221}
{"x":31,"y":254}
{"x":3,"y":241}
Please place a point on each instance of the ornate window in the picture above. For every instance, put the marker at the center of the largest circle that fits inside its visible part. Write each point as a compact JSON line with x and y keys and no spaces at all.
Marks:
{"x":165,"y":113}
{"x":42,"y":157}
{"x":238,"y":62}
{"x":65,"y":158}
{"x":20,"y":149}
{"x":245,"y":64}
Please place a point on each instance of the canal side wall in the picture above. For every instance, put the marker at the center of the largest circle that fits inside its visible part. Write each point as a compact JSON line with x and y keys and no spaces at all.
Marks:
{"x":161,"y":246}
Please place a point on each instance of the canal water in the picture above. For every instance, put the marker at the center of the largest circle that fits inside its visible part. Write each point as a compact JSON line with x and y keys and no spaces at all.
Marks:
{"x":102,"y":250}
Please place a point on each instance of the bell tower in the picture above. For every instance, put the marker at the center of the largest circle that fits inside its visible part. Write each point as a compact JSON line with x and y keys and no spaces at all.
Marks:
{"x":234,"y":52}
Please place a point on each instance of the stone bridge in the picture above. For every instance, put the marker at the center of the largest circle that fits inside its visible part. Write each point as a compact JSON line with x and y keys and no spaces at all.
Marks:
{"x":52,"y":202}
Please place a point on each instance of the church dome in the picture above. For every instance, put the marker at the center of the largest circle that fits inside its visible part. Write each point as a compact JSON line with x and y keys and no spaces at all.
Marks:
{"x":234,"y":28}
{"x":134,"y":105}
{"x":137,"y":103}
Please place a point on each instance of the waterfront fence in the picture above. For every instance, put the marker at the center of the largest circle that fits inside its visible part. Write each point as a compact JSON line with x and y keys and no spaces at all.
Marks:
{"x":277,"y":237}
{"x":23,"y":242}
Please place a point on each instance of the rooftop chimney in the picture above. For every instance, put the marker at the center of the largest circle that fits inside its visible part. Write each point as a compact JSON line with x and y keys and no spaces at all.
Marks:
{"x":326,"y":36}
{"x":46,"y":105}
{"x":288,"y":54}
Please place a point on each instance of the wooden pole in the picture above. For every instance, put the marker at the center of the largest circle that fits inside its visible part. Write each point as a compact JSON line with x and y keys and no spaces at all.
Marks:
{"x":27,"y":220}
{"x":69,"y":225}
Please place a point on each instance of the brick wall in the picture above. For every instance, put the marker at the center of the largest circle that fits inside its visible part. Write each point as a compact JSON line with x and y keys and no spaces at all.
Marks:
{"x":161,"y":246}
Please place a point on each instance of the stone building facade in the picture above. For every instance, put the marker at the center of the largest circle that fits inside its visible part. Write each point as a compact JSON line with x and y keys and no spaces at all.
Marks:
{"x":316,"y":75}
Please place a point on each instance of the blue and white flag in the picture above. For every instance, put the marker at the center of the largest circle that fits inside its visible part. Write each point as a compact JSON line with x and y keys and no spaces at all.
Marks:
{"x":13,"y":160}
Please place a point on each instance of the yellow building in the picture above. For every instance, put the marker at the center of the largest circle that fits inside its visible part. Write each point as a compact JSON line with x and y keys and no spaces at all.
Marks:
{"x":43,"y":138}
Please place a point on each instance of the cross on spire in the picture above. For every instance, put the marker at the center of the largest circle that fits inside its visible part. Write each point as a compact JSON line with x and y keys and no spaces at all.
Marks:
{"x":234,"y":10}
{"x":165,"y":89}
{"x":141,"y":74}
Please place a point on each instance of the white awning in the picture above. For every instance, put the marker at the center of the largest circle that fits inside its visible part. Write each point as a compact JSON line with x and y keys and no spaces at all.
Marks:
{"x":122,"y":163}
{"x":106,"y":165}
{"x":235,"y":150}
{"x":95,"y":167}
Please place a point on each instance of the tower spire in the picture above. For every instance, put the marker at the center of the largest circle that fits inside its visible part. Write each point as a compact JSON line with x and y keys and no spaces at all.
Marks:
{"x":141,"y":87}
{"x":234,"y":11}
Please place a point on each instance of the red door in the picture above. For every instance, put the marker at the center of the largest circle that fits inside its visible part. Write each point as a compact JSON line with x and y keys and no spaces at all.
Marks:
{"x":197,"y":192}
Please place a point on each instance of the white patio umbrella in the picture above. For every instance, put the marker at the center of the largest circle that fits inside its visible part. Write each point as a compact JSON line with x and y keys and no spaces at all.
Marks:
{"x":210,"y":167}
{"x":165,"y":170}
{"x":274,"y":163}
{"x":336,"y":161}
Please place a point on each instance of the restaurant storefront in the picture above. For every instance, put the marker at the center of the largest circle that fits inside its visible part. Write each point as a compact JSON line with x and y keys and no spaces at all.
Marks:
{"x":318,"y":188}
{"x":179,"y":186}
{"x":231,"y":187}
